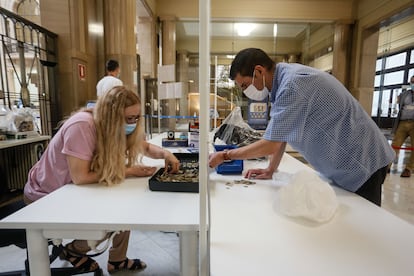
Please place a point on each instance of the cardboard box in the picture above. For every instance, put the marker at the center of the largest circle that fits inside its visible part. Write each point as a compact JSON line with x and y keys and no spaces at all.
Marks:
{"x":193,"y":139}
{"x":174,"y":143}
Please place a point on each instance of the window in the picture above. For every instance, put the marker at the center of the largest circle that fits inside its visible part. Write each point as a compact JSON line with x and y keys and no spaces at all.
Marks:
{"x":393,"y":73}
{"x":394,"y":78}
{"x":410,"y":74}
{"x":375,"y":101}
{"x":412,"y":57}
{"x":377,"y":81}
{"x":395,"y":60}
{"x":379,"y":65}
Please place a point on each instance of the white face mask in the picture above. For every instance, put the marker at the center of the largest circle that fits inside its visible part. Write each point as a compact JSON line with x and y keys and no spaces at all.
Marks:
{"x":255,"y":94}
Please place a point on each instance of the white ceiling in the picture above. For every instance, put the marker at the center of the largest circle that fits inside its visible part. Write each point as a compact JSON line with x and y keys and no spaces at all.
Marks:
{"x":189,"y":29}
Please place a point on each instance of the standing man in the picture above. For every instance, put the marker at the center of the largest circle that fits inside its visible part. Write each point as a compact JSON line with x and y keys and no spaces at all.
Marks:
{"x":317,"y":116}
{"x":111,"y":79}
{"x":405,"y":125}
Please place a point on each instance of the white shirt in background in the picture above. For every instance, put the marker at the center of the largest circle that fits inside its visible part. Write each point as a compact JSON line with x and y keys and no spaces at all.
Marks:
{"x":106,"y":84}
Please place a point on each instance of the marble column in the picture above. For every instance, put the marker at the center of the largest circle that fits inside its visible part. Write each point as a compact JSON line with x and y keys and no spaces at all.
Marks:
{"x":182,"y":74}
{"x":341,"y":52}
{"x":148,"y":52}
{"x":119,"y":38}
{"x":367,"y":62}
{"x":169,"y":57}
{"x":70,"y":20}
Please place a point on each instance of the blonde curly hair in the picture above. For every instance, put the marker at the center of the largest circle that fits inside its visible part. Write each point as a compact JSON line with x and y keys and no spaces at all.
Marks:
{"x":115,"y":150}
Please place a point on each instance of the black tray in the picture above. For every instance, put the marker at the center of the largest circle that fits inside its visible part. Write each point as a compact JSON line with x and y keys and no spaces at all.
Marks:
{"x":188,"y":161}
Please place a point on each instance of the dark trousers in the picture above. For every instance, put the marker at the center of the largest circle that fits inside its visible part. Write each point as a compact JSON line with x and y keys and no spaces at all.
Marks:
{"x":372,"y":188}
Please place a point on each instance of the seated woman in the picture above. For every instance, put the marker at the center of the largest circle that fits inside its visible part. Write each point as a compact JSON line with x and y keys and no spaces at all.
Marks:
{"x":104,"y":145}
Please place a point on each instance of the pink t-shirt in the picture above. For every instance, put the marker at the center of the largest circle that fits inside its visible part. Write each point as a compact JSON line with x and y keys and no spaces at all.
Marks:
{"x":77,"y":137}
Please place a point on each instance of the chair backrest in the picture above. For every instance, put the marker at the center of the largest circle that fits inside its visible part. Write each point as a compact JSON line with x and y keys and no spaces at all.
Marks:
{"x":18,"y":238}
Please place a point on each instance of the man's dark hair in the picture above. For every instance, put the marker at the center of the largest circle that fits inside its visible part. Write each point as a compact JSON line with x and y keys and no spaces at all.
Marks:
{"x":112,"y":65}
{"x":247,"y":59}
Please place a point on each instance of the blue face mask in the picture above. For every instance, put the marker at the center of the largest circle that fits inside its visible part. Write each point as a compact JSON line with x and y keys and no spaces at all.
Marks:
{"x":129,"y":128}
{"x":412,"y":86}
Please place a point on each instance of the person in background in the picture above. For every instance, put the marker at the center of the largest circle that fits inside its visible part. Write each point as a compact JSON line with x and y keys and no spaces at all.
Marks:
{"x":110,"y":80}
{"x":317,"y":116}
{"x":404,"y":125}
{"x":104,"y":145}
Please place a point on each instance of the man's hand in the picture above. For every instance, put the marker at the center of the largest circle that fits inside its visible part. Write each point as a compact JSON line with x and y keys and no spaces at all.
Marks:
{"x":216,"y":159}
{"x":259,"y":174}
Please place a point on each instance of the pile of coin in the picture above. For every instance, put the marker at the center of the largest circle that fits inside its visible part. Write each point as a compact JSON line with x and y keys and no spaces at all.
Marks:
{"x":188,"y":173}
{"x":245,"y":182}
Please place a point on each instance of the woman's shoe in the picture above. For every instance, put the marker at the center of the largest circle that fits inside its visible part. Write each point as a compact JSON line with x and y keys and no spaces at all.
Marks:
{"x":81,"y":263}
{"x":406,"y":173}
{"x":137,"y":264}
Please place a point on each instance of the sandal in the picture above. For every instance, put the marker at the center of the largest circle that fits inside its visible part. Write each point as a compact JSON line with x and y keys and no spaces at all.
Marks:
{"x":81,"y":263}
{"x":123,"y":265}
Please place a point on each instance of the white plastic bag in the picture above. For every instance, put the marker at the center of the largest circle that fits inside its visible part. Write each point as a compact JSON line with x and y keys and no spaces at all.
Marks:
{"x":235,"y":131}
{"x":307,"y":196}
{"x":22,"y":120}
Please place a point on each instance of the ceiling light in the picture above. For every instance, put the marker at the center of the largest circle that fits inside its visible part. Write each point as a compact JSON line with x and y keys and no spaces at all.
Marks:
{"x":244,"y":29}
{"x":274,"y":30}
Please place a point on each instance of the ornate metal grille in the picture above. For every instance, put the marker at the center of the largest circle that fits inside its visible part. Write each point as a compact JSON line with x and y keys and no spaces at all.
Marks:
{"x":28,"y":55}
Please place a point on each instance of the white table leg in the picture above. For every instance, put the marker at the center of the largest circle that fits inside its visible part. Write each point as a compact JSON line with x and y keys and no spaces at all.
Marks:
{"x":188,"y":253}
{"x":38,"y":253}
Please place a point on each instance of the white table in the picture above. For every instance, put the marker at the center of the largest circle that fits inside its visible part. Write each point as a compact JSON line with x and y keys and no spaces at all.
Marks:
{"x":88,"y":211}
{"x":250,"y":237}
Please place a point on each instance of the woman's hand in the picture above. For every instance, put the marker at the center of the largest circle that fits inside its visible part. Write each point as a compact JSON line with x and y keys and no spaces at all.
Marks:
{"x":141,"y":170}
{"x":172,"y":164}
{"x":259,"y":174}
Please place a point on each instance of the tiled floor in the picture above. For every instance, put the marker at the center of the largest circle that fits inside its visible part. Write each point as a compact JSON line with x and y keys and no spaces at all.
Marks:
{"x":398,"y":192}
{"x":161,"y":250}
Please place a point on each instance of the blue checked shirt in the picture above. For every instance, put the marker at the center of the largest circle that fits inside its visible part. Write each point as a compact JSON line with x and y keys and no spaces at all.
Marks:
{"x":319,"y":118}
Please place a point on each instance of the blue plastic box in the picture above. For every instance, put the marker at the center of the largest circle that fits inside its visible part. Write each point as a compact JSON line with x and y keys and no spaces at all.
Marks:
{"x":229,"y":167}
